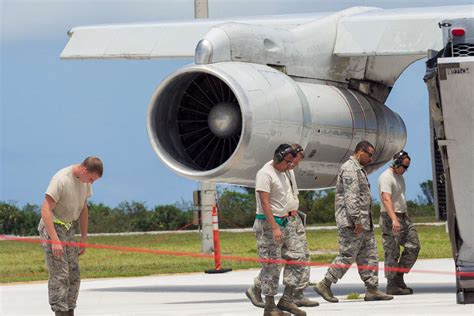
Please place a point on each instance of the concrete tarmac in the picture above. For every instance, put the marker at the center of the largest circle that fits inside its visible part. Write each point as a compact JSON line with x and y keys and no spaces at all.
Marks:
{"x":223,"y":294}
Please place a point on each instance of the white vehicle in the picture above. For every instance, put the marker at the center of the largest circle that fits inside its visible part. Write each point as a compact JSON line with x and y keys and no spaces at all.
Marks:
{"x":450,"y":79}
{"x":319,"y":80}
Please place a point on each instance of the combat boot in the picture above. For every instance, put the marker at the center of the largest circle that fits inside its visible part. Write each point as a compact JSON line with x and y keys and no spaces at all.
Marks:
{"x":254,"y":294}
{"x":394,"y":289}
{"x":302,"y":301}
{"x":373,"y":294}
{"x":71,"y":312}
{"x":323,"y":288}
{"x":61,"y":313}
{"x":271,"y":309}
{"x":286,"y":302}
{"x":401,"y":283}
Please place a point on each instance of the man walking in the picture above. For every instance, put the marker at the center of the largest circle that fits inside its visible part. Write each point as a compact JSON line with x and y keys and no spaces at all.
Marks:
{"x":254,"y":292}
{"x":397,"y":228}
{"x":65,"y":202}
{"x":300,"y":220}
{"x":355,"y":227}
{"x":276,"y":236}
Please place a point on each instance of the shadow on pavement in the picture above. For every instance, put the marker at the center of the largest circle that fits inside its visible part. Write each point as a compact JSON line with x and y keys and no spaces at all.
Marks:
{"x":338,"y":290}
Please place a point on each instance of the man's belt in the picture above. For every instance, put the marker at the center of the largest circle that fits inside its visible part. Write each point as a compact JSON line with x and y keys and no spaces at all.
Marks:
{"x":280,"y":220}
{"x":60,"y":222}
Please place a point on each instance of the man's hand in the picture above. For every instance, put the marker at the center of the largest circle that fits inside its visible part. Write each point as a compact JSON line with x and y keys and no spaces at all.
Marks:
{"x":57,"y":248}
{"x":277,"y":235}
{"x":395,"y":226}
{"x":82,"y":248}
{"x":358,"y":229}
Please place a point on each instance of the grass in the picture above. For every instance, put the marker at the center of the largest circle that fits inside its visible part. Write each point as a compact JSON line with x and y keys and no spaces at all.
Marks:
{"x":353,"y":296}
{"x":21,"y":262}
{"x":414,"y":219}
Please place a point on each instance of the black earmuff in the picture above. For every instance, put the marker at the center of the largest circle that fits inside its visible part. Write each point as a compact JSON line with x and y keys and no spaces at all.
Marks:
{"x":298,"y":149}
{"x":285,"y":149}
{"x":398,"y":158}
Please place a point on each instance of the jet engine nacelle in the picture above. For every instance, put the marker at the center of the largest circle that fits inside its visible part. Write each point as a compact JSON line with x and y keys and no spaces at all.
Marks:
{"x":221,"y":122}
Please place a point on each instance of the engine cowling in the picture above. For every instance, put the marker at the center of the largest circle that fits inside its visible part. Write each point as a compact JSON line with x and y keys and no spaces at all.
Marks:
{"x":221,"y":122}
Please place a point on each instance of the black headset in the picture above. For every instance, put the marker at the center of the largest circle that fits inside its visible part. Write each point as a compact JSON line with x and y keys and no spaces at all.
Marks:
{"x":397,"y":159}
{"x":282,"y":151}
{"x":298,"y":149}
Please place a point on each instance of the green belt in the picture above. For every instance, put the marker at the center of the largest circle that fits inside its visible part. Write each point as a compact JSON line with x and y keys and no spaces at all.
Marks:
{"x":60,"y":222}
{"x":282,"y":221}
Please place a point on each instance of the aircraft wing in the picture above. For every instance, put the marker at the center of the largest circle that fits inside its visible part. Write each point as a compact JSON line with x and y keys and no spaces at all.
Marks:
{"x":395,"y":32}
{"x":374,"y":32}
{"x":157,"y":40}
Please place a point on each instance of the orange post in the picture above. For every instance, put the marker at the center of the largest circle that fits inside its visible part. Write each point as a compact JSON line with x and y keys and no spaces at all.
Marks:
{"x":217,"y":246}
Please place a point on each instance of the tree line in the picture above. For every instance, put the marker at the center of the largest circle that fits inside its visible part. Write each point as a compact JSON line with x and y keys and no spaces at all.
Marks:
{"x":236,"y":210}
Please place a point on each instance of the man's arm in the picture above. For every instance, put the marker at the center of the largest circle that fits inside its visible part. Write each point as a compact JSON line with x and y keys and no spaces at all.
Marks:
{"x":47,"y":215}
{"x":83,"y":221}
{"x":265,"y":202}
{"x":351,"y":198}
{"x":388,"y":204}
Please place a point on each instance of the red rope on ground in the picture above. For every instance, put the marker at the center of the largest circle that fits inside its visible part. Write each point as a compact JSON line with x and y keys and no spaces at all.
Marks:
{"x":226,"y":257}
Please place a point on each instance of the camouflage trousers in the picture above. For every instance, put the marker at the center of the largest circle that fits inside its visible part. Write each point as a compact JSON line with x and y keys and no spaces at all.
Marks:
{"x":407,"y":238}
{"x":291,"y":249}
{"x":64,"y":275}
{"x":362,"y":249}
{"x":301,"y":235}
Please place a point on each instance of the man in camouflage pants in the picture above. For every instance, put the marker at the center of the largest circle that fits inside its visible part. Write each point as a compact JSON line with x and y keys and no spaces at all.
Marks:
{"x":355,"y":227}
{"x":65,"y":202}
{"x":254,"y":292}
{"x":276,"y":233}
{"x":397,"y":228}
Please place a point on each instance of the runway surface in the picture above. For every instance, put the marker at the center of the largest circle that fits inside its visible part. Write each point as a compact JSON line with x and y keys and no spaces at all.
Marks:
{"x":223,"y":294}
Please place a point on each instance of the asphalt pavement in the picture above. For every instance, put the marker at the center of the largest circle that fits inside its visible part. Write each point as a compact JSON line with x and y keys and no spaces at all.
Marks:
{"x":433,"y":283}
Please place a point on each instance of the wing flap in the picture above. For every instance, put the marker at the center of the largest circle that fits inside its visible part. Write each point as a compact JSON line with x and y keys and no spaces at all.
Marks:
{"x":134,"y":41}
{"x":158,"y":40}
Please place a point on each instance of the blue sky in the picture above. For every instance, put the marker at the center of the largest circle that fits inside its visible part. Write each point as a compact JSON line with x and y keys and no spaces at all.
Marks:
{"x":54,"y":113}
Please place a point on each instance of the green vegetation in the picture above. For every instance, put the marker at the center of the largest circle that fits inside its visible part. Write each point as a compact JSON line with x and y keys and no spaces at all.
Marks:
{"x":24,"y":261}
{"x":126,"y":217}
{"x":236,"y":210}
{"x":14,"y":220}
{"x":353,"y":296}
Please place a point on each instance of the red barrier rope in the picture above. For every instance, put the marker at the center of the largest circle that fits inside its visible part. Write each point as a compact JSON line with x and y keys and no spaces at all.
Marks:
{"x":225,"y":257}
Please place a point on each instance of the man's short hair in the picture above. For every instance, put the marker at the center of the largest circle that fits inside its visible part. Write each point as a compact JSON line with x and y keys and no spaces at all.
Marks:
{"x":93,"y":165}
{"x":363,"y":145}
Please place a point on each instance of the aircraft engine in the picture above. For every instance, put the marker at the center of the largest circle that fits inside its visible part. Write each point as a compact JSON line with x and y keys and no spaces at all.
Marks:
{"x":221,"y":122}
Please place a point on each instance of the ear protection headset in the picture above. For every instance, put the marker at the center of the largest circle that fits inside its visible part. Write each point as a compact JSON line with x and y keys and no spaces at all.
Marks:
{"x":282,"y":151}
{"x":398,"y":158}
{"x":298,"y":149}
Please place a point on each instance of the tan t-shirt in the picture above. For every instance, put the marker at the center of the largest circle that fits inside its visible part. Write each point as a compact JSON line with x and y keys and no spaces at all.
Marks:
{"x":390,"y":182}
{"x":69,"y":193}
{"x":277,"y":184}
